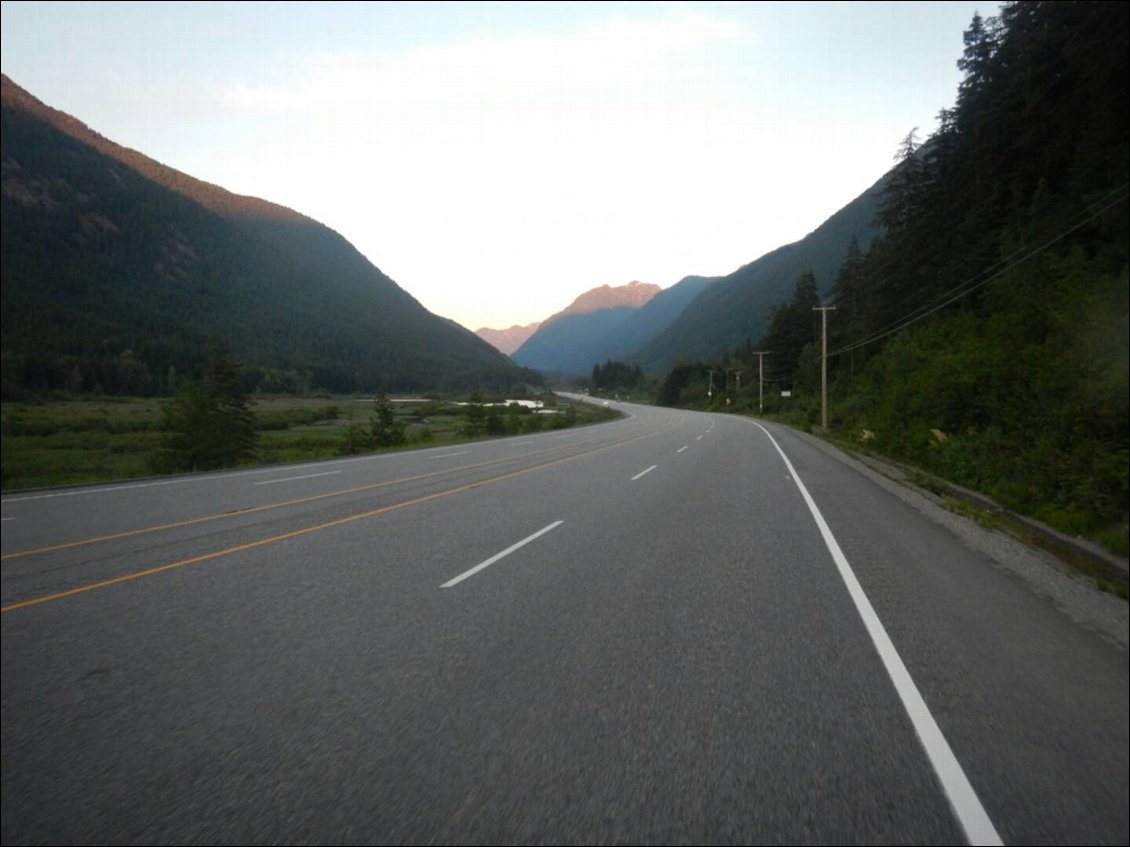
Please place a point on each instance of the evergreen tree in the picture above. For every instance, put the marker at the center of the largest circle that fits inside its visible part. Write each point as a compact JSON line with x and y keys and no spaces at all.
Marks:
{"x":612,"y":376}
{"x":902,"y":194}
{"x":791,"y":328}
{"x":847,"y":293}
{"x":232,"y":424}
{"x":474,"y":416}
{"x":385,"y":430}
{"x":209,"y":425}
{"x":680,"y":386}
{"x":993,"y":308}
{"x":495,"y":425}
{"x":976,"y":63}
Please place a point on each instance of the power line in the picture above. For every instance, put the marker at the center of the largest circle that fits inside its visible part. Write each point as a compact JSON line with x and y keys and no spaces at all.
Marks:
{"x":1084,"y":77}
{"x":975,"y":282}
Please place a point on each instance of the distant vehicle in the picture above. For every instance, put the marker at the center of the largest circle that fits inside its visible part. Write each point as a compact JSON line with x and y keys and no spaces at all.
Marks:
{"x":605,"y":402}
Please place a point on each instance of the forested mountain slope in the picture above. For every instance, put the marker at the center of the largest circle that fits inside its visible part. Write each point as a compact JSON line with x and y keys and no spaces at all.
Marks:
{"x":654,"y":317}
{"x":737,"y":307}
{"x":985,"y":333}
{"x":568,"y":341}
{"x":117,"y":270}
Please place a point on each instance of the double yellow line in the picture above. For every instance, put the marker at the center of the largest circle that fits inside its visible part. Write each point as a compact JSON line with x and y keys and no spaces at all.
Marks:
{"x":129,"y":577}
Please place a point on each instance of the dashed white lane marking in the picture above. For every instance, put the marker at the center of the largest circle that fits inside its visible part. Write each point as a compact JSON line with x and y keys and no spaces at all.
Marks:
{"x":292,"y":478}
{"x":472,"y":571}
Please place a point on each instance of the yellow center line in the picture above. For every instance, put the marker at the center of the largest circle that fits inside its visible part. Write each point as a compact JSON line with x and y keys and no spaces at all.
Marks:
{"x":129,"y":577}
{"x":248,"y":510}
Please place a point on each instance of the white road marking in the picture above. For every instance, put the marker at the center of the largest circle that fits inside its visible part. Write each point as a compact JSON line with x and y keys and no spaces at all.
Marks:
{"x":698,"y":438}
{"x":962,"y":798}
{"x":292,"y":478}
{"x":7,"y":519}
{"x":641,"y":473}
{"x":681,"y":449}
{"x":448,"y":455}
{"x":471,"y":572}
{"x":96,"y":488}
{"x":104,"y":490}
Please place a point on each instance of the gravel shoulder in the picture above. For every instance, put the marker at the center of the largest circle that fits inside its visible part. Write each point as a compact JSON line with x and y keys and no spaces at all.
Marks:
{"x":1046,"y":574}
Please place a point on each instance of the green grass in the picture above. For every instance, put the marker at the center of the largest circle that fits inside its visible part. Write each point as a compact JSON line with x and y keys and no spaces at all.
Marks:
{"x":67,"y":442}
{"x":77,"y":441}
{"x":987,"y":519}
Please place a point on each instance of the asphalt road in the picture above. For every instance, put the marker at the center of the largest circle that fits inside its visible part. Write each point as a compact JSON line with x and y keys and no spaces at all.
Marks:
{"x":674,"y":628}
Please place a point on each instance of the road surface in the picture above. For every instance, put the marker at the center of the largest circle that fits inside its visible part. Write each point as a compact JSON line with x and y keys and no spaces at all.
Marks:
{"x":673,"y":628}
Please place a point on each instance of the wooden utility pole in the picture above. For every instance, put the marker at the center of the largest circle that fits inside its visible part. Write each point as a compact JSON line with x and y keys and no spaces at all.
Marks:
{"x":737,"y":378}
{"x":823,"y":310}
{"x":760,"y":354}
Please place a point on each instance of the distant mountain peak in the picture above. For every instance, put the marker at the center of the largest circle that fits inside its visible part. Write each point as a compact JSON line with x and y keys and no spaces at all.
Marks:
{"x":564,"y":343}
{"x":631,"y":296}
{"x":507,"y":340}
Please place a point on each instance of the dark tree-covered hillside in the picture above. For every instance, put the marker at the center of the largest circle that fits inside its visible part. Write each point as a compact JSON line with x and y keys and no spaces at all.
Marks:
{"x":117,"y":271}
{"x":984,"y":334}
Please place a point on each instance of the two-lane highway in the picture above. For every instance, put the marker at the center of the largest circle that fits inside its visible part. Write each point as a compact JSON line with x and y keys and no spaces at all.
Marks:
{"x":676,"y":627}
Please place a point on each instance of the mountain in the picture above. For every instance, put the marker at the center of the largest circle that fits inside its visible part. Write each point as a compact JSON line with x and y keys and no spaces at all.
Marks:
{"x":983,"y":336}
{"x":118,"y":270}
{"x":738,"y":306}
{"x":566,"y":342}
{"x":651,"y":319}
{"x":507,"y":340}
{"x":631,"y":296}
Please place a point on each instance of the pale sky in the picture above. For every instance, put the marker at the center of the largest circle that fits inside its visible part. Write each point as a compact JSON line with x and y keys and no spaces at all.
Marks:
{"x":498,"y":159}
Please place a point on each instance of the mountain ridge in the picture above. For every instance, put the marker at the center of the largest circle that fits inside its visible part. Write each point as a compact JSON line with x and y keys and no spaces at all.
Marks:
{"x":563,"y":344}
{"x":632,"y":295}
{"x":113,"y":262}
{"x":209,"y":195}
{"x":737,"y":306}
{"x":507,"y":340}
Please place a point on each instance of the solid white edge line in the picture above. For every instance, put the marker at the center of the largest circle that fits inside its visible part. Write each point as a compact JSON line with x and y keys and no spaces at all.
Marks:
{"x":292,"y":478}
{"x":471,"y":572}
{"x":963,"y":799}
{"x":641,"y":473}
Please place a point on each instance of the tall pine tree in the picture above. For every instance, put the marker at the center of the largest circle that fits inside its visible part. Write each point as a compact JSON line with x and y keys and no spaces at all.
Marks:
{"x":209,"y":425}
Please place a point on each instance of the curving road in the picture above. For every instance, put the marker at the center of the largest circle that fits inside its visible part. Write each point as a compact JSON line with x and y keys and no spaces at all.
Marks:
{"x":675,"y":628}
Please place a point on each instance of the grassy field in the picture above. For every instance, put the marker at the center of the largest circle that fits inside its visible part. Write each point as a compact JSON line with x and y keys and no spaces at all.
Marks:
{"x":63,"y":442}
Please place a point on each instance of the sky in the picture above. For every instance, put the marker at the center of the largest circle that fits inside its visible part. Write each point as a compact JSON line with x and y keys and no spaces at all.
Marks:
{"x":499,"y":159}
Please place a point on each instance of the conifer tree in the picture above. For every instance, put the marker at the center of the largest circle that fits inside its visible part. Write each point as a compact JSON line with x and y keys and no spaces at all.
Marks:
{"x":209,"y":425}
{"x":385,"y":429}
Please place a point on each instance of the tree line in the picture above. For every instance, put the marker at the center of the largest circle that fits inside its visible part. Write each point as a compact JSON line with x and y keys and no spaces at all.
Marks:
{"x":616,"y":375}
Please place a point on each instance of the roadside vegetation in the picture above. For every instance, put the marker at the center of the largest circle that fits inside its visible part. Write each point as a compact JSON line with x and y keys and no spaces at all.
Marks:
{"x":982,"y":337}
{"x":64,"y":441}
